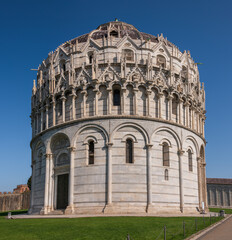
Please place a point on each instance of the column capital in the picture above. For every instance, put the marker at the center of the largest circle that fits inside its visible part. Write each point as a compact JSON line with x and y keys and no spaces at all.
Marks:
{"x":180,"y":152}
{"x":199,"y":159}
{"x":84,"y":92}
{"x":71,"y":149}
{"x":149,"y":146}
{"x":109,"y":90}
{"x":109,"y":145}
{"x":160,"y":95}
{"x":170,"y":97}
{"x":47,"y":155}
{"x":63,"y":98}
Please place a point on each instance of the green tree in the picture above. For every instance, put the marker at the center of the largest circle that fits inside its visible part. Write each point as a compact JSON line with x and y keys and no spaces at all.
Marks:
{"x":29,"y":182}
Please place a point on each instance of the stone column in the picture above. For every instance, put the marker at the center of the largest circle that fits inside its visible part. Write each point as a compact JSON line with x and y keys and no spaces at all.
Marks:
{"x":197,"y":121}
{"x":193,"y":118}
{"x":41,"y":119}
{"x":109,"y":100}
{"x":187,"y":114}
{"x":37,"y":121}
{"x":53,"y":112}
{"x":51,"y":192}
{"x":47,"y":116}
{"x":96,"y":101}
{"x":203,"y":128}
{"x":84,"y":103}
{"x":123,"y":91}
{"x":46,"y":191}
{"x":199,"y":181}
{"x":204,"y":188}
{"x":170,"y":107}
{"x":73,"y":105}
{"x":135,"y":91}
{"x":180,"y":110}
{"x":148,"y":103}
{"x":149,"y":176}
{"x":70,"y":208}
{"x":160,"y":97}
{"x":63,"y":98}
{"x":32,"y":187}
{"x":109,"y":174}
{"x":180,"y":154}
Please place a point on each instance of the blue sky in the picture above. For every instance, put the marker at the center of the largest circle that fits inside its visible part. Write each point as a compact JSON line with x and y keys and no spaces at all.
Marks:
{"x":29,"y":30}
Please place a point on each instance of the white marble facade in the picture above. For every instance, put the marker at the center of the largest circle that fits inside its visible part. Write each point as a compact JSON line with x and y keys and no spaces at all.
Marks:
{"x":106,"y":88}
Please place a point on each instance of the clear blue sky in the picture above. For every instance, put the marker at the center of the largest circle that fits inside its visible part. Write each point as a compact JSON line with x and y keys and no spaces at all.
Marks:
{"x":29,"y":30}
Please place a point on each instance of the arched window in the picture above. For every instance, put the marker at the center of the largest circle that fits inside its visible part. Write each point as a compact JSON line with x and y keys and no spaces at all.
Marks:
{"x":161,"y":61}
{"x":128,"y":54}
{"x":165,"y":154}
{"x":114,"y":34}
{"x":190,"y":160}
{"x":129,"y":151}
{"x":90,"y":55}
{"x":175,"y":108}
{"x":116,"y":97}
{"x":64,"y":67}
{"x":166,"y":174}
{"x":91,"y":152}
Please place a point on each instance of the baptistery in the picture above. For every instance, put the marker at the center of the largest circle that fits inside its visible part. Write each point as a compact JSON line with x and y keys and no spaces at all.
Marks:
{"x":118,"y":126}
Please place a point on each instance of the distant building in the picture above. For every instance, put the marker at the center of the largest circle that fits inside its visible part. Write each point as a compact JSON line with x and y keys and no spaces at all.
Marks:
{"x":219,"y":192}
{"x":21,"y":188}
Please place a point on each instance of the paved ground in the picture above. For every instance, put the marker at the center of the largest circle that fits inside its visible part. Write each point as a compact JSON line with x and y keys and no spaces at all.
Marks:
{"x":221,"y":232}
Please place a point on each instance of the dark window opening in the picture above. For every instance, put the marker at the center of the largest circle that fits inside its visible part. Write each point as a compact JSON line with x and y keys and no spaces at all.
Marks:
{"x":128,"y":54}
{"x":166,"y":175}
{"x":114,"y":34}
{"x":64,"y":67}
{"x":129,"y":151}
{"x":165,"y":154}
{"x":90,"y":59}
{"x":190,"y":161}
{"x":116,"y":97}
{"x":91,"y":152}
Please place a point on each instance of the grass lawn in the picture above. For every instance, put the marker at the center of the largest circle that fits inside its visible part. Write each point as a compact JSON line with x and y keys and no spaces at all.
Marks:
{"x":227,"y":211}
{"x":102,"y":228}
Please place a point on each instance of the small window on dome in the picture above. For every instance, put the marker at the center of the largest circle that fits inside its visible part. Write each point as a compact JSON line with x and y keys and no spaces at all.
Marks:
{"x":114,"y":34}
{"x":161,"y":61}
{"x":128,"y":54}
{"x":90,"y":55}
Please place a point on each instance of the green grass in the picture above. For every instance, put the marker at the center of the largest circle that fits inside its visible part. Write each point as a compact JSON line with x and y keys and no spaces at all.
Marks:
{"x":227,"y":211}
{"x":15,"y":212}
{"x":100,"y":228}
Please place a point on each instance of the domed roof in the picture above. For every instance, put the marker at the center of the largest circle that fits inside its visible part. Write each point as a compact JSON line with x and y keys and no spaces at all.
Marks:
{"x":117,"y":29}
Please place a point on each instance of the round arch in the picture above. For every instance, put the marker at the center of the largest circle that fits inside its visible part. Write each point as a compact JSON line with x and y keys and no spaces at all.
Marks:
{"x":52,"y":138}
{"x":130,"y":124}
{"x":172,"y":132}
{"x":193,"y":140}
{"x":89,"y":126}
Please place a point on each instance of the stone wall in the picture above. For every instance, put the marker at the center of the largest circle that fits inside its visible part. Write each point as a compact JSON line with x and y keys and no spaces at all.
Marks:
{"x":219,"y":192}
{"x":14,"y":201}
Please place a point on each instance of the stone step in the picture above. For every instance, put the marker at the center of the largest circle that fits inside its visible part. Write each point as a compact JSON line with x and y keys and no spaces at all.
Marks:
{"x":56,"y":212}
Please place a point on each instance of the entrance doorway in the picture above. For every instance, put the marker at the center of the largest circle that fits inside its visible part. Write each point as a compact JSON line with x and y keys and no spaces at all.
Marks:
{"x":62,"y":191}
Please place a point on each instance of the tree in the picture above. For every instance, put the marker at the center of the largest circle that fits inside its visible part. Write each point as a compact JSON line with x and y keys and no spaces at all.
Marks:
{"x":29,"y":182}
